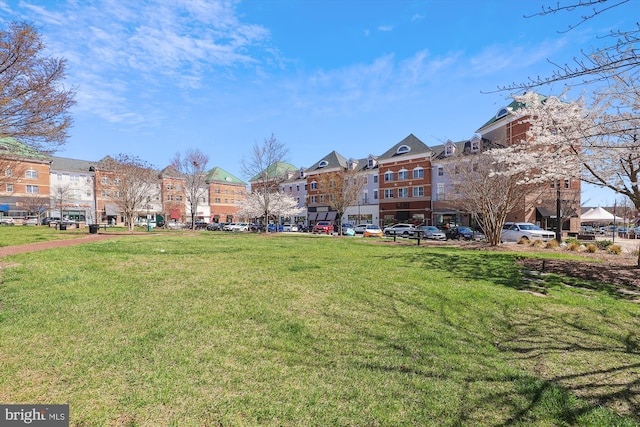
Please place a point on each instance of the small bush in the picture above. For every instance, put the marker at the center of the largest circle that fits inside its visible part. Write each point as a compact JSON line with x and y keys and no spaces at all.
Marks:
{"x":614,"y":249}
{"x":552,"y":244}
{"x":523,"y":241}
{"x":570,"y":240}
{"x":603,"y":244}
{"x":591,"y":248}
{"x":574,"y":246}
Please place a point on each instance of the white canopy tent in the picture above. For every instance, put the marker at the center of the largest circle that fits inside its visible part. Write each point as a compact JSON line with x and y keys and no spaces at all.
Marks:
{"x":599,"y":215}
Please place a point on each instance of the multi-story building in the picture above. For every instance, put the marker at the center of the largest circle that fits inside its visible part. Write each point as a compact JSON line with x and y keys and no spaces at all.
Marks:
{"x":24,"y":179}
{"x":404,"y":173}
{"x":226,"y":193}
{"x":72,"y":189}
{"x":506,"y":128}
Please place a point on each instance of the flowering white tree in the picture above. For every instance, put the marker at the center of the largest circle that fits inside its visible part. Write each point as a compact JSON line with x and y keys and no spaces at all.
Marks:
{"x":277,"y":205}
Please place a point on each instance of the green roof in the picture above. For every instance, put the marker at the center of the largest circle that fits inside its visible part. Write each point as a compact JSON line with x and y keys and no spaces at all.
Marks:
{"x":275,"y":170}
{"x":221,"y":175}
{"x":509,"y":109}
{"x":14,"y":148}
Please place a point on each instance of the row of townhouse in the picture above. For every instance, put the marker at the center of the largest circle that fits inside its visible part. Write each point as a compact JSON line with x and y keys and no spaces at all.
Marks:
{"x":86,"y":191}
{"x":410,"y":182}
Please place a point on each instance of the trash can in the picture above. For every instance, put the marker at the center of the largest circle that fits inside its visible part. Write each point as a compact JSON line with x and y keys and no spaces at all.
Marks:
{"x":93,"y":228}
{"x":63,"y":226}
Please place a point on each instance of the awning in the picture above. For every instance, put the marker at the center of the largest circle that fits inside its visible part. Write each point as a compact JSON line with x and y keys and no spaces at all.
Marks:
{"x":545,"y":213}
{"x":4,"y":208}
{"x":331,"y":216}
{"x":321,"y":216}
{"x":313,"y":216}
{"x":175,"y":213}
{"x":111,"y":210}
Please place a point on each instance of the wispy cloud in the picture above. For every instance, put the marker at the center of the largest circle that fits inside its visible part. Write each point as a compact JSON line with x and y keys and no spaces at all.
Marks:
{"x":162,"y":43}
{"x":385,"y":28}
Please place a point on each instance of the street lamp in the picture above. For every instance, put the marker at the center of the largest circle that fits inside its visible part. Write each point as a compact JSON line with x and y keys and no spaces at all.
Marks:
{"x":148,"y":215}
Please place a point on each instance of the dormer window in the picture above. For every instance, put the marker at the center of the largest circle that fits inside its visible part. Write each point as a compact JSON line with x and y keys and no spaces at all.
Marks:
{"x":449,"y":149}
{"x":403,"y":149}
{"x":352,"y":164}
{"x":323,"y":164}
{"x":475,"y":144}
{"x":301,"y":173}
{"x":371,"y":163}
{"x":502,"y":112}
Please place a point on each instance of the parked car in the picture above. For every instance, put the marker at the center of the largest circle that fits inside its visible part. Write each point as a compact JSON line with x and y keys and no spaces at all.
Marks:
{"x":228,"y":226}
{"x":7,"y":220}
{"x":201,"y":225}
{"x":432,"y":232}
{"x":289,"y":227}
{"x":273,"y":228}
{"x":47,"y":220}
{"x":464,"y":233}
{"x":215,"y":226}
{"x":323,"y":227}
{"x":31,"y":220}
{"x":240,"y":226}
{"x":514,"y":231}
{"x":404,"y":230}
{"x":174,"y":225}
{"x":372,"y":230}
{"x":359,"y":229}
{"x":346,"y":227}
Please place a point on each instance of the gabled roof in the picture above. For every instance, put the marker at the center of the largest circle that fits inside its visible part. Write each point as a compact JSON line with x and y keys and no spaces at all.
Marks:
{"x":331,"y":161}
{"x":70,"y":165}
{"x":218,"y":174}
{"x":275,"y":170}
{"x":11,"y":147}
{"x":170,"y":172}
{"x":463,"y":148}
{"x":414,"y":145}
{"x":509,"y":110}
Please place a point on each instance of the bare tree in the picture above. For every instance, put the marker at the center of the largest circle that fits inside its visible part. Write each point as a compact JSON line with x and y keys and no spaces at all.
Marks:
{"x":34,"y":104}
{"x":265,"y":169}
{"x":620,"y":56}
{"x":488,"y":190}
{"x":133,"y":183}
{"x":342,"y":189}
{"x":193,"y":166}
{"x":61,"y":197}
{"x":36,"y":204}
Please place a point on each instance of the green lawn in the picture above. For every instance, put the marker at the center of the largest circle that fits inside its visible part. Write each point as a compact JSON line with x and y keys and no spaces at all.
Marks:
{"x":226,"y":329}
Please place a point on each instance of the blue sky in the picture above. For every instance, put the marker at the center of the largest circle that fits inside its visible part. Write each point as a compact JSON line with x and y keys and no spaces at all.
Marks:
{"x":158,"y":77}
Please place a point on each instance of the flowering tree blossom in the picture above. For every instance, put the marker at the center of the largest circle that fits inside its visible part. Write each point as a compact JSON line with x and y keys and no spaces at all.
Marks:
{"x":279,"y":204}
{"x":192,"y":166}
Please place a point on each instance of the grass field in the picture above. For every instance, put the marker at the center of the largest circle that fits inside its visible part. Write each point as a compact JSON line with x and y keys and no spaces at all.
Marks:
{"x":202,"y":329}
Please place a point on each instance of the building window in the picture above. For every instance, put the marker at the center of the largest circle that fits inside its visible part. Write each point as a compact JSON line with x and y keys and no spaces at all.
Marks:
{"x":403,"y":193}
{"x":105,"y":181}
{"x":178,"y":198}
{"x":321,"y":198}
{"x":169,"y":186}
{"x":179,"y":187}
{"x":117,"y":194}
{"x":217,"y":199}
{"x":105,"y":193}
{"x":448,"y":150}
{"x":314,"y":199}
{"x":32,"y":189}
{"x":375,"y":179}
{"x":403,"y":174}
{"x":297,"y":187}
{"x":403,"y":149}
{"x":217,"y":191}
{"x":440,"y":171}
{"x":31,"y":173}
{"x":323,"y":164}
{"x":388,"y":193}
{"x":475,"y":145}
{"x":9,"y":188}
{"x":418,"y":191}
{"x":314,"y":185}
{"x":567,"y":184}
{"x":59,"y":177}
{"x":117,"y":181}
{"x":75,"y":179}
{"x":169,"y":197}
{"x":388,"y":176}
{"x":440,"y":191}
{"x":553,"y":184}
{"x":418,"y":173}
{"x":8,"y":172}
{"x":375,"y":194}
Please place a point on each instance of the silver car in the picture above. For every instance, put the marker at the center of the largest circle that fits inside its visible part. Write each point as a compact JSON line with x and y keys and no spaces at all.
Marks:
{"x":432,"y":232}
{"x":514,"y":231}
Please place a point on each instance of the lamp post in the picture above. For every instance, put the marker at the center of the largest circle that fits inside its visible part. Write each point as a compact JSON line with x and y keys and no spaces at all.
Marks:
{"x":558,"y":214}
{"x":148,"y":215}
